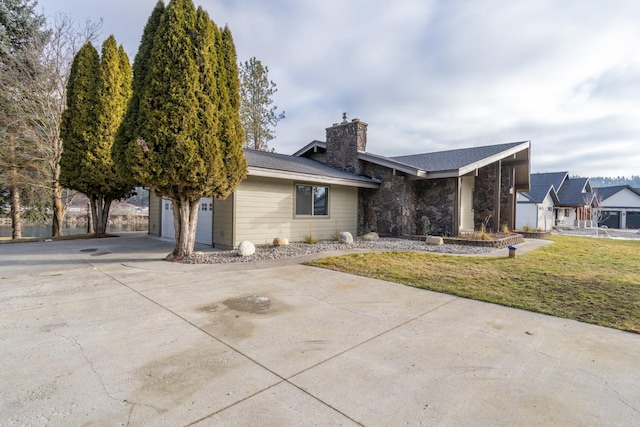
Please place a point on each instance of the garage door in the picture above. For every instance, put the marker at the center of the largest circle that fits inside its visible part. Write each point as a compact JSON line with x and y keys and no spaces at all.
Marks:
{"x":611,"y":219}
{"x":633,"y":220}
{"x":204,"y":229}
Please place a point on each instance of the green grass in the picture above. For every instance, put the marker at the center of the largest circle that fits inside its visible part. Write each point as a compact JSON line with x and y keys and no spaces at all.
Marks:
{"x":585,"y":279}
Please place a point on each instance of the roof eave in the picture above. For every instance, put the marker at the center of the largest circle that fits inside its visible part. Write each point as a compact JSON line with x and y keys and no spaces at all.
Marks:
{"x":392,"y":165}
{"x":297,"y":176}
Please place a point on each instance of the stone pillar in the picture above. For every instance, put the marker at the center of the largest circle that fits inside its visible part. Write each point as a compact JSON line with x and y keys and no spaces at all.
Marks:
{"x":344,"y":141}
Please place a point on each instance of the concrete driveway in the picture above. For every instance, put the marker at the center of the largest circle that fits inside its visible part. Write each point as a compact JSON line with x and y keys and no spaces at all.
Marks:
{"x":103,"y":332}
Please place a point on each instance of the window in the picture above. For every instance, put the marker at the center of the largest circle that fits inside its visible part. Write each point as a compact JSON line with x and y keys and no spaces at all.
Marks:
{"x":204,"y":206}
{"x":566,"y":212}
{"x":311,"y":200}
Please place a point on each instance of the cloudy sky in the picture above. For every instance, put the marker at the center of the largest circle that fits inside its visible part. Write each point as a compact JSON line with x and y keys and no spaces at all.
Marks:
{"x":436,"y":75}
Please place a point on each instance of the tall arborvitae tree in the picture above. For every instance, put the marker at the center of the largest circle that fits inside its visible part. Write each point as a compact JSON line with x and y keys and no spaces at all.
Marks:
{"x":180,"y":136}
{"x":97,"y":95}
{"x":22,"y":36}
{"x":257,"y":110}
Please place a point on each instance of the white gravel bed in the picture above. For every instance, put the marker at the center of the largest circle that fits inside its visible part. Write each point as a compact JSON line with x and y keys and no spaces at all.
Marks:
{"x":267,"y":252}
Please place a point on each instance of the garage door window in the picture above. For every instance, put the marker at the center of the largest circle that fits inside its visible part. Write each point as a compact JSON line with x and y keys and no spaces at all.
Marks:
{"x":312,"y":200}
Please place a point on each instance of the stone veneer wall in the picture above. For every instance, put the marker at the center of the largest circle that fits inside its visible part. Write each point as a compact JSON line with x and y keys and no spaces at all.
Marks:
{"x":434,"y":209}
{"x":344,"y":140}
{"x":383,"y":210}
{"x":484,"y":197}
{"x":403,"y":208}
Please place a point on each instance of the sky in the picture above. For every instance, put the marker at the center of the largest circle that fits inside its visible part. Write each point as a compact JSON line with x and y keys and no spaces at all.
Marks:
{"x":434,"y":75}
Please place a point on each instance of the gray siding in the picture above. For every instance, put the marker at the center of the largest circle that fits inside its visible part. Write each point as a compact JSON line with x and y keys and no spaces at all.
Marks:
{"x":223,"y":232}
{"x":155,"y":212}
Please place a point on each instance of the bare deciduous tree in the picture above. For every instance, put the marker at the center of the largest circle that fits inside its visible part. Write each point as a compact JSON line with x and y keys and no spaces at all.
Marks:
{"x":39,"y":82}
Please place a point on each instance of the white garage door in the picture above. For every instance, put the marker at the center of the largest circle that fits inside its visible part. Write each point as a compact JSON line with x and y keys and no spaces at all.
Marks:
{"x":204,"y":230}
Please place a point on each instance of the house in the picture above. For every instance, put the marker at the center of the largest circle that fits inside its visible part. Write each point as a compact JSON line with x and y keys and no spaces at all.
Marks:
{"x":336,"y":185}
{"x":619,"y":206}
{"x":555,"y":199}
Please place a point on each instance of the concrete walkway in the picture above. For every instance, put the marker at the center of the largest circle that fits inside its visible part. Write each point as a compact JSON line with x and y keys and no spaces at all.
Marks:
{"x":103,"y":332}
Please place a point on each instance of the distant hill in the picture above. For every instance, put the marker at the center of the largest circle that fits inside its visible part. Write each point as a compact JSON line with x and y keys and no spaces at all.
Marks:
{"x":610,"y":181}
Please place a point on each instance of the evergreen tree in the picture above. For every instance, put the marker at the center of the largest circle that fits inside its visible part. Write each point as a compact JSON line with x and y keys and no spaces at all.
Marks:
{"x":97,"y":95}
{"x":179,"y":137}
{"x":257,"y":110}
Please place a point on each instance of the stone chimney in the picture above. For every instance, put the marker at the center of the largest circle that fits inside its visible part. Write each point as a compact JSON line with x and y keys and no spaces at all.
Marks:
{"x":344,"y":141}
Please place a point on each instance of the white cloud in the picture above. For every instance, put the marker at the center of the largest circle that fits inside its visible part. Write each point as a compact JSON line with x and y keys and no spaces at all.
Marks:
{"x":433,"y":75}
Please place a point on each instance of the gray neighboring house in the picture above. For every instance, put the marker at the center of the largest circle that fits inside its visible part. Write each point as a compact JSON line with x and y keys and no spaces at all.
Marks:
{"x":619,"y":206}
{"x":333,"y":186}
{"x":555,"y":199}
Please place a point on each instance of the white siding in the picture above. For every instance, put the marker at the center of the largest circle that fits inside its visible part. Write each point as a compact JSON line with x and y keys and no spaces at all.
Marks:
{"x":527,"y":214}
{"x":168,"y":229}
{"x":624,"y":198}
{"x":466,"y":203}
{"x":204,"y":232}
{"x":264,"y":210}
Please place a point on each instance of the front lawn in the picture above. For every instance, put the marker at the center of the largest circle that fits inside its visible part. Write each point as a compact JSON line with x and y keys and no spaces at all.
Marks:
{"x":586,"y":279}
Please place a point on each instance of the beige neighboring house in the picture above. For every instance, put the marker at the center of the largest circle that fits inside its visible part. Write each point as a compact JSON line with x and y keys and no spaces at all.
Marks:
{"x":283,"y":196}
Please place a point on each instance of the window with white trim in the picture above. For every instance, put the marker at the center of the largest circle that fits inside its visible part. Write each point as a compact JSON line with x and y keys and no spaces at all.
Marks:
{"x":312,"y":200}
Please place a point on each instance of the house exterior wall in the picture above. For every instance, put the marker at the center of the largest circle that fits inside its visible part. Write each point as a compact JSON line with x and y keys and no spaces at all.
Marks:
{"x":403,"y":207}
{"x":264,"y":210}
{"x":565,"y":216}
{"x":466,"y":203}
{"x":624,"y":198}
{"x":223,"y":222}
{"x":434,"y":208}
{"x":384,"y":210}
{"x":484,"y":198}
{"x":527,"y":216}
{"x":155,"y":214}
{"x":536,"y":215}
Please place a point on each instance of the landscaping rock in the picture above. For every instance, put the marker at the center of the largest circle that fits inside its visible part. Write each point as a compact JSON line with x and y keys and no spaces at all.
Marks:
{"x":433,"y":240}
{"x":280,"y":241}
{"x":246,"y":248}
{"x":370,"y":237}
{"x":345,"y":237}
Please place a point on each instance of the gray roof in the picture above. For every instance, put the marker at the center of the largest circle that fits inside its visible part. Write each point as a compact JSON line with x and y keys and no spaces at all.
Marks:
{"x":303,"y":165}
{"x":575,"y":192}
{"x":544,"y":183}
{"x":551,"y":178}
{"x":538,"y":193}
{"x":453,"y":159}
{"x":606,"y":192}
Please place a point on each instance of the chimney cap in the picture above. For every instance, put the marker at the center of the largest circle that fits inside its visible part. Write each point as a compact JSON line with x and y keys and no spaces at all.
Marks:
{"x":345,"y":117}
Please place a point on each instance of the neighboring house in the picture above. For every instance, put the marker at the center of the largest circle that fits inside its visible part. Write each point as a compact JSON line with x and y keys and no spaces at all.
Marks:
{"x":333,"y":186}
{"x":555,"y":199}
{"x":619,"y":206}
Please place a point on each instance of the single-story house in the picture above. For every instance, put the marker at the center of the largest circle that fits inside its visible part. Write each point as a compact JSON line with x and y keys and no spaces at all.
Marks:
{"x":619,"y":206}
{"x":555,"y":199}
{"x":333,"y":186}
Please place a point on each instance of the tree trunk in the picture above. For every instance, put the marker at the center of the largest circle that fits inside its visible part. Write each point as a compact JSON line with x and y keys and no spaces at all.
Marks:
{"x":185,"y":220}
{"x":16,"y":218}
{"x":100,"y":206}
{"x":14,"y":191}
{"x":58,"y":210}
{"x":90,"y":228}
